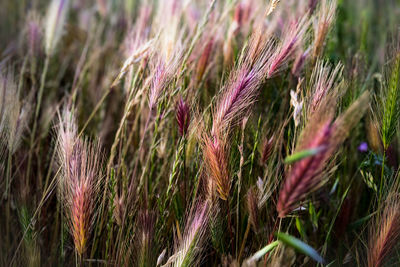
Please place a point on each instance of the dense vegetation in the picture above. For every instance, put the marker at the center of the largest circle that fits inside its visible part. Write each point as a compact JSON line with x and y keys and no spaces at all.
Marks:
{"x":188,"y":133}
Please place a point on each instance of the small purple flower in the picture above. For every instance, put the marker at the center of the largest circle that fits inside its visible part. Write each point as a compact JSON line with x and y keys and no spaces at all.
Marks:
{"x":363,"y":147}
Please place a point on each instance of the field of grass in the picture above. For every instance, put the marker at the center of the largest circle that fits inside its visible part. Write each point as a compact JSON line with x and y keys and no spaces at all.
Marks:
{"x":199,"y":133}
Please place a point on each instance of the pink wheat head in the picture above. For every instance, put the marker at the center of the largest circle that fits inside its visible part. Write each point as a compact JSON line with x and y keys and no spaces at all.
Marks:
{"x":204,"y":59}
{"x":385,"y":233}
{"x":216,"y":161}
{"x":267,"y":149}
{"x":241,"y":90}
{"x":158,"y":84}
{"x":187,"y":250}
{"x":182,"y":116}
{"x":293,"y":37}
{"x":79,"y":181}
{"x":304,"y":174}
{"x":326,"y":15}
{"x":162,"y":69}
{"x":324,"y":79}
{"x":325,"y":136}
{"x":236,"y":102}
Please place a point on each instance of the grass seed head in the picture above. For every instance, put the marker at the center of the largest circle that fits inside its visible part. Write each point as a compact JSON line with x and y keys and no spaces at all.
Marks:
{"x":182,"y":116}
{"x":80,"y":180}
{"x":54,"y":24}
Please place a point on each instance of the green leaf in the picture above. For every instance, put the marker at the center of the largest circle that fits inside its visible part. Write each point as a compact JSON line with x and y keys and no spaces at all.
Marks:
{"x":259,"y":254}
{"x":300,"y":228}
{"x":303,"y":154}
{"x":300,"y":246}
{"x":331,"y":263}
{"x":314,"y":216}
{"x":334,"y":187}
{"x":391,"y":112}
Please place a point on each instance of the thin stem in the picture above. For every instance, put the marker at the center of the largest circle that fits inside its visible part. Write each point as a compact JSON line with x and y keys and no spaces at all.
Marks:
{"x":185,"y":178}
{"x":35,"y":121}
{"x":382,"y":176}
{"x":127,"y":112}
{"x":96,"y":108}
{"x":246,"y":234}
{"x":152,"y":157}
{"x":8,"y":179}
{"x":128,"y":109}
{"x":9,"y":162}
{"x":230,"y":224}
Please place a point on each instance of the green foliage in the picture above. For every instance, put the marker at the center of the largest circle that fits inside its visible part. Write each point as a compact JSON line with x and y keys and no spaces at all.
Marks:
{"x":120,"y":67}
{"x":391,"y":105}
{"x":300,"y":246}
{"x":303,"y":154}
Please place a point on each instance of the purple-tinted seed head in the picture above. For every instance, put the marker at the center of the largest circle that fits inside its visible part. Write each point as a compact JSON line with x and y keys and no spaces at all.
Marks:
{"x":312,"y":4}
{"x":267,"y":149}
{"x":157,"y":85}
{"x":34,"y":34}
{"x":236,"y":101}
{"x":299,"y":63}
{"x":182,"y":116}
{"x":282,"y":56}
{"x":304,"y":176}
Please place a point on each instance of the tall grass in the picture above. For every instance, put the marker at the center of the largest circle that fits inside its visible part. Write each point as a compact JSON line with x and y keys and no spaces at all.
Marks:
{"x":199,"y":133}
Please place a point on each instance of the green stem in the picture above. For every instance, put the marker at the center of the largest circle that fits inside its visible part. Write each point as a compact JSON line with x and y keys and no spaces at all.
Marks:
{"x":382,"y":175}
{"x":96,"y":108}
{"x":246,"y":234}
{"x":153,"y":155}
{"x":128,"y":109}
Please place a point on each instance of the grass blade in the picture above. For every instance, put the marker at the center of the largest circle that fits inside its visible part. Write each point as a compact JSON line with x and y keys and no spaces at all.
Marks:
{"x":300,"y":246}
{"x":259,"y":254}
{"x":303,"y":154}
